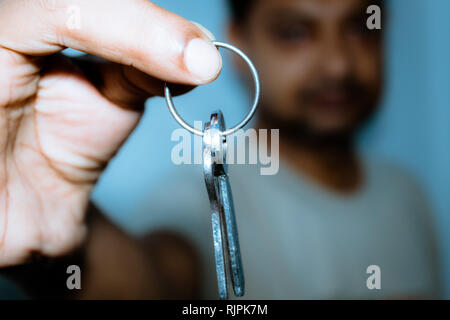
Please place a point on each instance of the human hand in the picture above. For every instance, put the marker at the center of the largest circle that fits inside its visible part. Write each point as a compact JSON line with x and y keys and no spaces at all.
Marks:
{"x":62,"y":120}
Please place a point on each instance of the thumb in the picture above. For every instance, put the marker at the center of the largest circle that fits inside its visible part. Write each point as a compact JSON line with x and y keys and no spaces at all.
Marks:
{"x":137,"y":33}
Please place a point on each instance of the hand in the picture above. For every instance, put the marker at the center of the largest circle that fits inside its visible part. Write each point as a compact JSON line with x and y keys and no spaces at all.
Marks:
{"x":61,"y":119}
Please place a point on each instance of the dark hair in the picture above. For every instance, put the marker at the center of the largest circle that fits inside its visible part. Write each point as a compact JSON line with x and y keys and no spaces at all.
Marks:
{"x":239,"y":9}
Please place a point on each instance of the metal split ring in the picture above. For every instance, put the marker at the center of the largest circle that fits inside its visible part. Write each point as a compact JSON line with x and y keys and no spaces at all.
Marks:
{"x":241,"y":124}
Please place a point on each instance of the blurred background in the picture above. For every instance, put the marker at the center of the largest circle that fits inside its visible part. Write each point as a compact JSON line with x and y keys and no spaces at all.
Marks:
{"x":412,"y":129}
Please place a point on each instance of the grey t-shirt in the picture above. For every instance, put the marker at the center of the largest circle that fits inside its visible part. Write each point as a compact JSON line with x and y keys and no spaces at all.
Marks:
{"x":299,"y":241}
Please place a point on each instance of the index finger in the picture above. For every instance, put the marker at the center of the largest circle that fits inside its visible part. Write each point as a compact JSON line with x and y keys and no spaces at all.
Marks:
{"x":134,"y":32}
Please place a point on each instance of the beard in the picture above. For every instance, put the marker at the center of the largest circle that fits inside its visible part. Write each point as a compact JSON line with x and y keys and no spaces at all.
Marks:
{"x":357,"y":99}
{"x":299,"y":130}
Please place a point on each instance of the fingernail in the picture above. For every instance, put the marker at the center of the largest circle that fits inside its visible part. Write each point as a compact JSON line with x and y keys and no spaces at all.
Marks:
{"x":202,"y":59}
{"x":208,"y":33}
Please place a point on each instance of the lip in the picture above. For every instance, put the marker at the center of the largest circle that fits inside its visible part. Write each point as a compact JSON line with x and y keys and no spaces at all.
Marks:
{"x":332,"y":100}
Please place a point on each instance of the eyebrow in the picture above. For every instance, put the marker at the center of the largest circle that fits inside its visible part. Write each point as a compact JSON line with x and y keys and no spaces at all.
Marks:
{"x":289,"y":15}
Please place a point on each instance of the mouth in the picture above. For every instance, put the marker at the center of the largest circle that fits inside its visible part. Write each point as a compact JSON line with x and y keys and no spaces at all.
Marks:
{"x":333,"y":101}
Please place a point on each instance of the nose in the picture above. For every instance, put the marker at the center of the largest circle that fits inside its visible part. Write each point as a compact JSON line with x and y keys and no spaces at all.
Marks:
{"x":336,"y":58}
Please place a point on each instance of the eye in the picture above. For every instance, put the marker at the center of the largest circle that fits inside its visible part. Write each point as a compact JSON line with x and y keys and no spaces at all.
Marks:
{"x":290,"y":33}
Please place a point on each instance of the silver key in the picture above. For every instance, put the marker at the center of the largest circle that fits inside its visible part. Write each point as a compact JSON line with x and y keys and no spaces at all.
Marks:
{"x":225,"y":234}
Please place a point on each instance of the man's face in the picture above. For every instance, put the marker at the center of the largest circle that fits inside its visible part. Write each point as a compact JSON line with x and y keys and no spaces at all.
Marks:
{"x":320,"y":66}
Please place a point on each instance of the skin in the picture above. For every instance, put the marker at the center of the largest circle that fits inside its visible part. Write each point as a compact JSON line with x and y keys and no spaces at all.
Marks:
{"x":62,"y":120}
{"x":321,"y":71}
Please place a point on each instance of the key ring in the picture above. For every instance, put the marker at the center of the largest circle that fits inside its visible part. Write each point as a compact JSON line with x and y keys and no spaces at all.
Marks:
{"x":241,"y":124}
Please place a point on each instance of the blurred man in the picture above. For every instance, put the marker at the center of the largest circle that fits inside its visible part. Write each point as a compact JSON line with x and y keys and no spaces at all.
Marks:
{"x":321,"y":226}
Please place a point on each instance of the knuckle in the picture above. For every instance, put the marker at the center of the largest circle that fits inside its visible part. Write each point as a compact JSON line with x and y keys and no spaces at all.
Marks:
{"x":18,"y":79}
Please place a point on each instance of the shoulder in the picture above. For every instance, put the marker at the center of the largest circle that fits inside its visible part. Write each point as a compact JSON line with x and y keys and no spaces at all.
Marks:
{"x":394,"y":178}
{"x":399,"y":190}
{"x":412,"y":219}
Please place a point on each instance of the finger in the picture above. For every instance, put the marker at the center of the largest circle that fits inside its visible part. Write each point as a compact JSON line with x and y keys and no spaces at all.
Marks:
{"x":124,"y":85}
{"x":136,"y":33}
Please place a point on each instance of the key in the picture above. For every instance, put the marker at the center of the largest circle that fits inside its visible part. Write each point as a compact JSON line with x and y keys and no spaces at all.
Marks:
{"x":225,"y":235}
